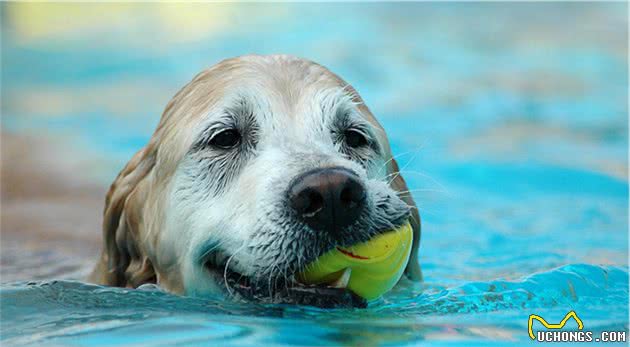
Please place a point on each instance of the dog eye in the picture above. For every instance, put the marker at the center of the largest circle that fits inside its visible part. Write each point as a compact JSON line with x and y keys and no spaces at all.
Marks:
{"x":226,"y":139}
{"x":355,"y":139}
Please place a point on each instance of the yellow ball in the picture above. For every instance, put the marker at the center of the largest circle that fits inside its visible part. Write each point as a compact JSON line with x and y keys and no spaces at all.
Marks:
{"x":374,"y":266}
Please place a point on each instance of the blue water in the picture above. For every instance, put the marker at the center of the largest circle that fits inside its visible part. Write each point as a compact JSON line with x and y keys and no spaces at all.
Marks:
{"x":75,"y":313}
{"x":509,"y":121}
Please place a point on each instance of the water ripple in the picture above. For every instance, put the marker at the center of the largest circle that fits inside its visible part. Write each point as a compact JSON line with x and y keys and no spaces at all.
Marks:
{"x":69,"y":312}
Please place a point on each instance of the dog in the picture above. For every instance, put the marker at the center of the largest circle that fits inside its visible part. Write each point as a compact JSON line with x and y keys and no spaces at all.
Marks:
{"x":257,"y":167}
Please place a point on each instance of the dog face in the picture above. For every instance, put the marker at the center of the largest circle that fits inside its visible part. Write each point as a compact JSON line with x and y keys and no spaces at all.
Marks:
{"x":258,"y":166}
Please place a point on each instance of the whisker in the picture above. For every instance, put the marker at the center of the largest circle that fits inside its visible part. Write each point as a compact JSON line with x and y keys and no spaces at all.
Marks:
{"x":424,"y":211}
{"x":216,"y":246}
{"x":399,"y":155}
{"x":406,"y":164}
{"x":269,"y":285}
{"x":408,"y":192}
{"x":227,"y":265}
{"x":423,"y":174}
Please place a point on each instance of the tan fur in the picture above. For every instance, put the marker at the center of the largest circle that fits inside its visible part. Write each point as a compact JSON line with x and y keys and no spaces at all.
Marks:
{"x":134,"y":207}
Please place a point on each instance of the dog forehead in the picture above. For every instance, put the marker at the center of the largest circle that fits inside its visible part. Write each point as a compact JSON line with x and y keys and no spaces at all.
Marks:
{"x":282,"y":92}
{"x":286,"y":92}
{"x":297,"y":87}
{"x":285,"y":86}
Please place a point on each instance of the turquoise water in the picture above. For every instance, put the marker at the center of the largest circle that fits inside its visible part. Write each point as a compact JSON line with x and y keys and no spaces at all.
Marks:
{"x":509,"y":121}
{"x":475,"y":313}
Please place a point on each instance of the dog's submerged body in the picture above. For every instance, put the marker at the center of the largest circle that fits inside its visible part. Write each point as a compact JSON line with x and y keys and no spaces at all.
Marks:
{"x":258,"y":166}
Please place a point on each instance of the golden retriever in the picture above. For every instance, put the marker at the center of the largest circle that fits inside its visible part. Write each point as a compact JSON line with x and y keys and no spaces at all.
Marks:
{"x":258,"y":166}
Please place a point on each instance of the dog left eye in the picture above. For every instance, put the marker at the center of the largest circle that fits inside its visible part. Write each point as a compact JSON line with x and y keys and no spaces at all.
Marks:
{"x":226,"y":139}
{"x":355,"y":139}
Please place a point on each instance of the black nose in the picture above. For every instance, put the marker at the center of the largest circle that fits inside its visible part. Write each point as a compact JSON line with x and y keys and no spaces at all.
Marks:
{"x":327,"y":199}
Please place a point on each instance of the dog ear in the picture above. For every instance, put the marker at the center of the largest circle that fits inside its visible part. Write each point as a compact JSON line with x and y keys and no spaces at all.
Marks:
{"x":398,"y":183}
{"x":122,"y":262}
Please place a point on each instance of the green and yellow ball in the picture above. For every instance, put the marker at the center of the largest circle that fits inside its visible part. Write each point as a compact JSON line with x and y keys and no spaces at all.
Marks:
{"x":374,"y":267}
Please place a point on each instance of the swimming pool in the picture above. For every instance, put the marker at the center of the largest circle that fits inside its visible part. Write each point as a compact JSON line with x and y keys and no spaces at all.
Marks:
{"x":509,"y":122}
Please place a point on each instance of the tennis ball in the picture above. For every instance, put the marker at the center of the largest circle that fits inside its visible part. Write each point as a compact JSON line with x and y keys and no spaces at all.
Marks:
{"x":368,"y":269}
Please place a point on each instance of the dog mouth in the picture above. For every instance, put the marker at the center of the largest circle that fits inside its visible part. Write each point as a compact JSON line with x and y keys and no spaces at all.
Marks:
{"x":283,"y":290}
{"x":288,"y":282}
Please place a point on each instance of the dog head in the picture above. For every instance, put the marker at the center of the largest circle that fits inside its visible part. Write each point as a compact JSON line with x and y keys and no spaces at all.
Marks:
{"x":258,"y":166}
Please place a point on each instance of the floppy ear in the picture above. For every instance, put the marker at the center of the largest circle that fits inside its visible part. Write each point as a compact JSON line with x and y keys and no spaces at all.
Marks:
{"x":413,"y":270}
{"x":122,"y":262}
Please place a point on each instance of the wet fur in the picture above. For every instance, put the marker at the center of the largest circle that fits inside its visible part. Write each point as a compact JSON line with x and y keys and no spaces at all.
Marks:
{"x":175,"y":181}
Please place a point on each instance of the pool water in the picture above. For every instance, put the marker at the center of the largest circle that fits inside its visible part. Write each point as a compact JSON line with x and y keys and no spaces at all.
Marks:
{"x":509,"y":122}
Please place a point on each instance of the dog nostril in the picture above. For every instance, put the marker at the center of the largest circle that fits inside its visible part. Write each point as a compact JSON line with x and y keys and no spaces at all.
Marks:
{"x":307,"y":202}
{"x":352,"y":194}
{"x":315,"y":202}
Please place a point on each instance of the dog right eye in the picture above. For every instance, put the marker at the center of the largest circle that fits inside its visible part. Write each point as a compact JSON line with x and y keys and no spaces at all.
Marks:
{"x":226,"y":139}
